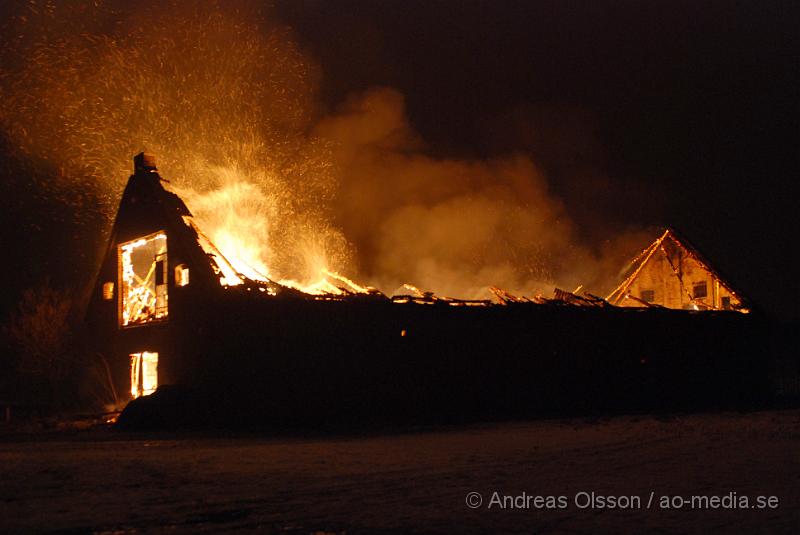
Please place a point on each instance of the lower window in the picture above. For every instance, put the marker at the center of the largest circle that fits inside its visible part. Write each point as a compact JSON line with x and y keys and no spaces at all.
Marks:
{"x":144,"y":373}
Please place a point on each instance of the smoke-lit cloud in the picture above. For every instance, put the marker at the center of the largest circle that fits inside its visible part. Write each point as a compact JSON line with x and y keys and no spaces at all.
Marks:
{"x":454,"y":226}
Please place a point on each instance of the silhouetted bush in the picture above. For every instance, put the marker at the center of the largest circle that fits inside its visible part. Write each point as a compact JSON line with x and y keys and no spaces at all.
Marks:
{"x":41,"y":334}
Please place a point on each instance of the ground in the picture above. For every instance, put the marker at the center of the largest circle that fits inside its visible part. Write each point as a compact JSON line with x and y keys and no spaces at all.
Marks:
{"x":411,"y":481}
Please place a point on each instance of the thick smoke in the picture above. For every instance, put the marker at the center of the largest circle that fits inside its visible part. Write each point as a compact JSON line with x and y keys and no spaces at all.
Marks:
{"x":452,"y":226}
{"x":228,"y":103}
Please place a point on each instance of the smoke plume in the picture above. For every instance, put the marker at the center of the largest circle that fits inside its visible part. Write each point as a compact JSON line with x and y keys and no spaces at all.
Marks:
{"x":452,"y":226}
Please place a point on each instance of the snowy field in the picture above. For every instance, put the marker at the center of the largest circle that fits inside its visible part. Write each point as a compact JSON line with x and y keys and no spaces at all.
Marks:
{"x":416,"y":482}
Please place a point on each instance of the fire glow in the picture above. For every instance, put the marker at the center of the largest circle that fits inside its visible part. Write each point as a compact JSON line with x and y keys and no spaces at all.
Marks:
{"x":240,"y":139}
{"x":279,"y":192}
{"x":233,"y":269}
{"x":230,"y":130}
{"x":143,"y":278}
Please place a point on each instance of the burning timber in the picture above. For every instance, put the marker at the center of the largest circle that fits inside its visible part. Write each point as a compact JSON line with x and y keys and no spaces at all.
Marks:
{"x":193,"y":341}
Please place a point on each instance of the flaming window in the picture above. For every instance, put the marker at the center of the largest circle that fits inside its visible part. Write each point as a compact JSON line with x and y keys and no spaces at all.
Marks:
{"x":143,"y":280}
{"x":144,"y":373}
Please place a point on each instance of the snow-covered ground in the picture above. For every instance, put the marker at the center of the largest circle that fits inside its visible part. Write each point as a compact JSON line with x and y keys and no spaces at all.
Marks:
{"x":101,"y":481}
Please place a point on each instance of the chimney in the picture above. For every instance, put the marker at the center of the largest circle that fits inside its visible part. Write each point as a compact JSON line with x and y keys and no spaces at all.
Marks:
{"x":144,"y":163}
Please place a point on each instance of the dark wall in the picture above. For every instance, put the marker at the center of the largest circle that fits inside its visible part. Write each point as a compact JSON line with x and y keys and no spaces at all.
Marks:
{"x":317,"y":363}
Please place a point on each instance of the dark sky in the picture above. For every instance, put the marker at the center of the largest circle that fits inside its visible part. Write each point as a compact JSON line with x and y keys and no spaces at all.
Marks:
{"x":642,"y":113}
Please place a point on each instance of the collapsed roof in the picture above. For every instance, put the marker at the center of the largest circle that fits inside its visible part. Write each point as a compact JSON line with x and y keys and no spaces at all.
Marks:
{"x":669,"y":273}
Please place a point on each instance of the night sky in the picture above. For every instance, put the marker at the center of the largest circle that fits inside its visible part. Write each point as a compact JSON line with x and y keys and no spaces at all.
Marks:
{"x":641,"y":114}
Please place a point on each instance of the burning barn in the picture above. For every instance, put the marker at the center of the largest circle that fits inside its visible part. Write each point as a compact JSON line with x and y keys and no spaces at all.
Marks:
{"x":672,"y":273}
{"x":169,"y":310}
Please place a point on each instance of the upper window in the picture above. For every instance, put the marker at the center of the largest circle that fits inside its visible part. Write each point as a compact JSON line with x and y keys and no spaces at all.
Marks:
{"x":108,"y":291}
{"x":699,"y":289}
{"x":181,"y":275}
{"x":143,"y":280}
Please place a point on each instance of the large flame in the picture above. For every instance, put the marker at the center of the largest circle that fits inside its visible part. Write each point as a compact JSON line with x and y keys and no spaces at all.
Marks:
{"x":223,"y":99}
{"x":234,"y":224}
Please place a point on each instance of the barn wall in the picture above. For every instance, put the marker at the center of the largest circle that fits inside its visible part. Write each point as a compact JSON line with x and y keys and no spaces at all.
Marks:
{"x":284,"y":362}
{"x":658,"y":276}
{"x":147,"y":208}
